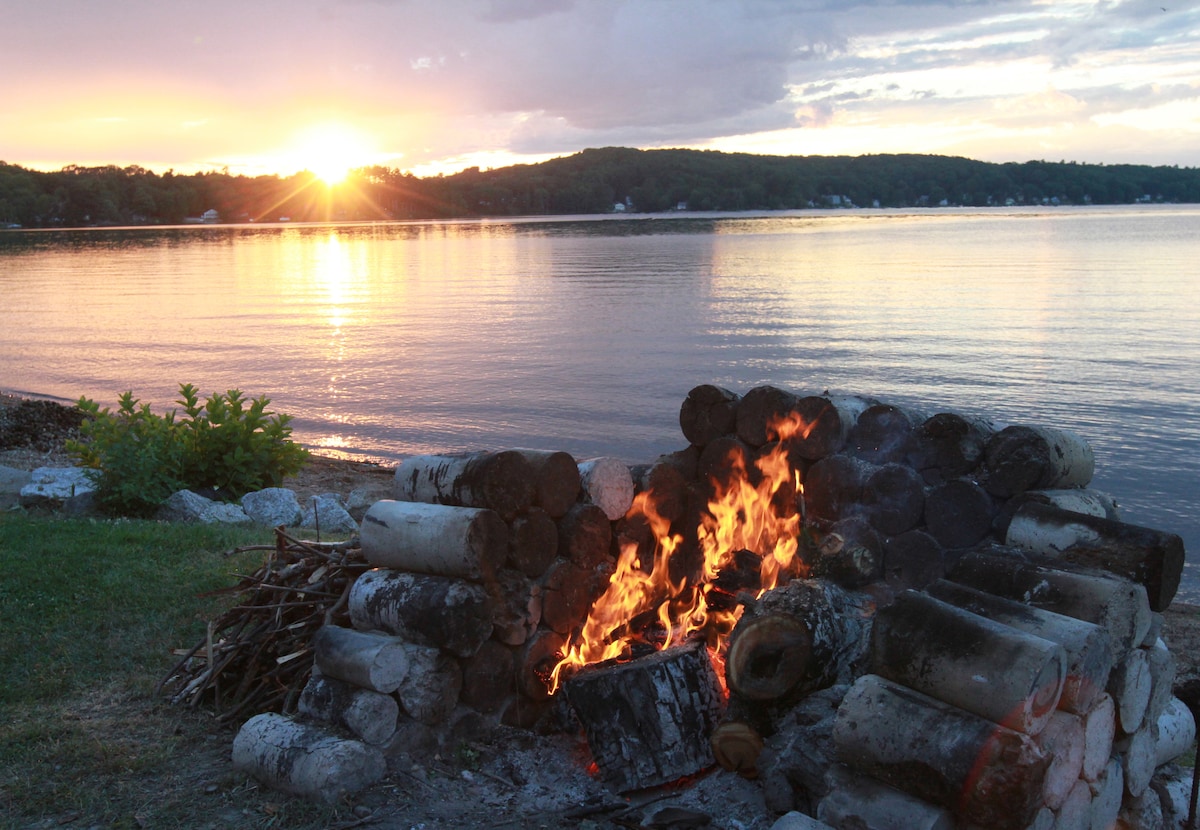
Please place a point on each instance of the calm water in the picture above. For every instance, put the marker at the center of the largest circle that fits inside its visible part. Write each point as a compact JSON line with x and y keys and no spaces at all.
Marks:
{"x":586,"y":335}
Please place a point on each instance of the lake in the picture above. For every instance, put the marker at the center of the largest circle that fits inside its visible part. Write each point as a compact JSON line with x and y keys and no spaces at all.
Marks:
{"x":585,"y":333}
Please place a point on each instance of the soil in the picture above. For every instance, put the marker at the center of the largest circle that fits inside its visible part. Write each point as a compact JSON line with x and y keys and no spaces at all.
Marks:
{"x":472,"y":774}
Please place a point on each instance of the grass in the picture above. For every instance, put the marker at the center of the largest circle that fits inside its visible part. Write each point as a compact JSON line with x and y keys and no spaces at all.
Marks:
{"x":90,"y":610}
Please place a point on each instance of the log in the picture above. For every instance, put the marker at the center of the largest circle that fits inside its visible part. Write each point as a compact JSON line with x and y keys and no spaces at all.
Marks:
{"x":365,"y":658}
{"x":442,"y":540}
{"x":1099,"y":731}
{"x":912,"y":560}
{"x":568,"y":592}
{"x":1149,"y":557}
{"x":1138,"y":757}
{"x":857,"y":801}
{"x":959,"y":513}
{"x":822,"y":424}
{"x":488,"y":677}
{"x":1130,"y":685}
{"x":982,"y":772}
{"x":947,"y":446}
{"x":1162,"y":678}
{"x":607,"y":483}
{"x":533,"y":542}
{"x":850,"y":553}
{"x":1076,"y":812}
{"x":758,"y":413}
{"x":736,"y":747}
{"x":993,"y":670}
{"x":1077,"y":500}
{"x":1020,"y":458}
{"x":1176,"y":732}
{"x":648,"y":721}
{"x":1107,"y":792}
{"x":585,"y":536}
{"x":795,"y":820}
{"x":667,"y":489}
{"x":1062,"y":741}
{"x":723,"y":462}
{"x":882,"y":433}
{"x":535,"y":660}
{"x":894,"y":498}
{"x":1088,"y":646}
{"x":1115,"y":604}
{"x":806,"y":635}
{"x":833,"y":487}
{"x":555,"y":480}
{"x":305,"y":760}
{"x":430,"y":691}
{"x":500,"y":481}
{"x":430,"y":610}
{"x":516,"y":607}
{"x":369,"y":716}
{"x":707,"y":413}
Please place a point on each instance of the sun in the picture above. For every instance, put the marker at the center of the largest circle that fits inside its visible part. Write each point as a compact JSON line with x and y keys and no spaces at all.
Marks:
{"x":330,"y":151}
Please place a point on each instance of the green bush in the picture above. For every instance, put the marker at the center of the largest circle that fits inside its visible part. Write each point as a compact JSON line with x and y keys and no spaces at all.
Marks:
{"x":141,"y":458}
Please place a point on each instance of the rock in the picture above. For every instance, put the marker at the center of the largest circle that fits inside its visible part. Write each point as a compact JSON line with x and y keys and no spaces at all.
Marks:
{"x":327,"y":514}
{"x":272,"y":507}
{"x":55,"y":484}
{"x":186,"y":506}
{"x":360,"y":499}
{"x":11,"y":482}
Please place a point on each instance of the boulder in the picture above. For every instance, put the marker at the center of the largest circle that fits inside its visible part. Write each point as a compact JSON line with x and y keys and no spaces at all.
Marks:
{"x":327,"y":514}
{"x":272,"y":507}
{"x":55,"y":485}
{"x":187,"y":506}
{"x":12,"y":481}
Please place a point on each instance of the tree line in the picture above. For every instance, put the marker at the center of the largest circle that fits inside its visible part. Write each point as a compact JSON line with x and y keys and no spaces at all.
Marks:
{"x":592,"y":181}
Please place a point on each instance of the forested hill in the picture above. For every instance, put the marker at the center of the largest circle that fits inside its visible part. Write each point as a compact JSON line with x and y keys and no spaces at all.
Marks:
{"x":593,"y":181}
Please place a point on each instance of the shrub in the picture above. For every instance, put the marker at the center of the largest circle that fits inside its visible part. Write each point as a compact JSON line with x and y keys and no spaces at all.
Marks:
{"x":141,"y":458}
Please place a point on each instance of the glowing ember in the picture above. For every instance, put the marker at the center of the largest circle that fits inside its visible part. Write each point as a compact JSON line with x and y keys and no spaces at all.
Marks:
{"x":752,"y":525}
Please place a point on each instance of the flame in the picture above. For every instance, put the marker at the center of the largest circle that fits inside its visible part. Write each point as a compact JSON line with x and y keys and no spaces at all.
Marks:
{"x":752,"y":510}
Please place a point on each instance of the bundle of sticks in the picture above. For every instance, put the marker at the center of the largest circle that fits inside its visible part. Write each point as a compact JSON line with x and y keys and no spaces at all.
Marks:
{"x":255,"y":657}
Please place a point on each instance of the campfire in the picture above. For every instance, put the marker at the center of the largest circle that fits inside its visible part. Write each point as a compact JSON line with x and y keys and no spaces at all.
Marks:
{"x":829,"y":594}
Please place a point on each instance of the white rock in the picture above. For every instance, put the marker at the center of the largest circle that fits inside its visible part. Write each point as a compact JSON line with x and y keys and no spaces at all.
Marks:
{"x":327,"y":513}
{"x":273,"y":506}
{"x":56,"y":483}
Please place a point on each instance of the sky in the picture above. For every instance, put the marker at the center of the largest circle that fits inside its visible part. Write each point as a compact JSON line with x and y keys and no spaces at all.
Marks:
{"x":434,"y":86}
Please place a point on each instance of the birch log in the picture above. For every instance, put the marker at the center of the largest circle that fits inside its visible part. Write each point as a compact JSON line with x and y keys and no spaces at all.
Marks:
{"x":858,"y":801}
{"x":608,"y":484}
{"x":305,"y":760}
{"x":912,"y":560}
{"x":882,"y":433}
{"x":1130,"y":685}
{"x":823,"y":424}
{"x":1176,"y":732}
{"x":833,"y":487}
{"x":707,"y":413}
{"x":850,"y":553}
{"x":434,"y":539}
{"x":1099,"y":732}
{"x":488,"y":677}
{"x":947,"y":446}
{"x":984,"y":773}
{"x":431,"y":688}
{"x":430,"y":610}
{"x":365,"y":658}
{"x":1077,"y":500}
{"x":533,"y":542}
{"x":1149,"y":557}
{"x":1138,"y":758}
{"x":981,"y":666}
{"x":585,"y":536}
{"x":555,"y":477}
{"x":959,"y":513}
{"x":1062,"y":741}
{"x":1020,"y":458}
{"x":370,"y":716}
{"x":894,"y":498}
{"x":500,"y":481}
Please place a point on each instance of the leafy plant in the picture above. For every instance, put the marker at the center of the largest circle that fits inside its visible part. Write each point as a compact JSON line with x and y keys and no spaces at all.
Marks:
{"x":226,"y":443}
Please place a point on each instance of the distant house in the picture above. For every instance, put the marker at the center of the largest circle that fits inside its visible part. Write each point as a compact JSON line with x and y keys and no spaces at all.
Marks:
{"x":210,"y":216}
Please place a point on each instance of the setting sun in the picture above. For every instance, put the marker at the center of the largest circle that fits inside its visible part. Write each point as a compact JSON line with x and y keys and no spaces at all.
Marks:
{"x":330,"y":151}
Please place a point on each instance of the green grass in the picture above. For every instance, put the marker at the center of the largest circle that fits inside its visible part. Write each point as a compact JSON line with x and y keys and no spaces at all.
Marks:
{"x":89,"y":613}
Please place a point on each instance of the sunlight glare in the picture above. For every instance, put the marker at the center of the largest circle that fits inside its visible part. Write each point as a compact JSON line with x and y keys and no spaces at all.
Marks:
{"x":330,"y":151}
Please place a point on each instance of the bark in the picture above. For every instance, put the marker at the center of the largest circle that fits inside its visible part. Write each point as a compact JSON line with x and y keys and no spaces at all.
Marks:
{"x":488,"y":677}
{"x":807,"y":635}
{"x":533,"y":542}
{"x":465,"y":542}
{"x":760,"y":411}
{"x":369,"y":716}
{"x":894,"y":498}
{"x":555,"y":480}
{"x":607,"y":483}
{"x":707,"y":413}
{"x":912,"y":560}
{"x":824,"y":424}
{"x":959,"y":513}
{"x":648,"y":721}
{"x":365,"y":658}
{"x":1176,"y":732}
{"x":430,"y":691}
{"x":1077,"y":500}
{"x":984,"y":773}
{"x":535,"y":660}
{"x":1088,"y":647}
{"x":947,"y":446}
{"x":1130,"y":685}
{"x":850,"y":553}
{"x":1020,"y":458}
{"x":305,"y":760}
{"x":985,"y":667}
{"x":1149,"y":557}
{"x":723,"y":461}
{"x":568,"y":592}
{"x":882,"y":433}
{"x":1099,"y":730}
{"x":430,"y":610}
{"x":585,"y":536}
{"x":500,"y":481}
{"x":858,"y":801}
{"x":666,"y":489}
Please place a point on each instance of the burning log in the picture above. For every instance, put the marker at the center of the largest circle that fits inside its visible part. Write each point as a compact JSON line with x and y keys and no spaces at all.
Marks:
{"x":488,"y":677}
{"x":607,"y":483}
{"x":1150,"y":557}
{"x":568,"y":591}
{"x":981,"y":666}
{"x":982,"y":772}
{"x":303,"y":759}
{"x":667,"y":489}
{"x":850,"y":553}
{"x":894,"y":498}
{"x":517,"y":604}
{"x":1088,"y":647}
{"x":707,"y":413}
{"x":535,"y":660}
{"x":882,"y":433}
{"x":804,"y":636}
{"x":555,"y":480}
{"x":1114,"y":604}
{"x":959,"y":513}
{"x":824,"y":424}
{"x":1020,"y":458}
{"x":431,"y":688}
{"x":367,"y":659}
{"x":759,"y":410}
{"x":585,"y":536}
{"x":430,"y":610}
{"x":434,"y":539}
{"x":534,"y":542}
{"x":948,"y":446}
{"x":648,"y":721}
{"x":368,"y":715}
{"x":912,"y":560}
{"x":724,"y":461}
{"x":500,"y":481}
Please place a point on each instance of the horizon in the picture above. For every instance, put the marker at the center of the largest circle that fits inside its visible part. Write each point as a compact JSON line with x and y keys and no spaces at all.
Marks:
{"x":428,"y":88}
